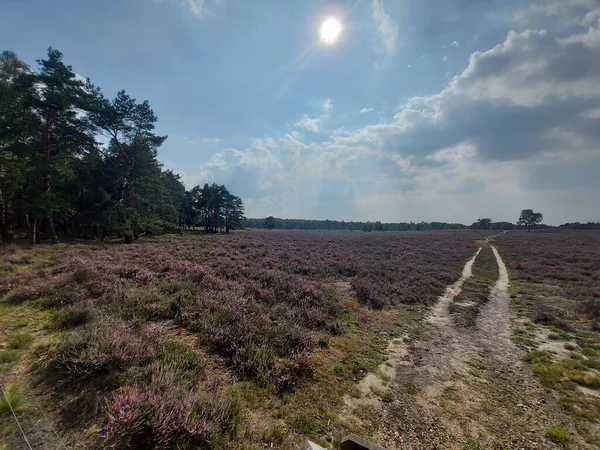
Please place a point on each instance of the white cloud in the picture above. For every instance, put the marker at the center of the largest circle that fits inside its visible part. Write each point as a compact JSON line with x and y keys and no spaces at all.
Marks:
{"x":388,"y":29}
{"x":366,"y":110}
{"x":193,"y":141}
{"x":454,"y":44}
{"x":327,"y":104}
{"x":308,"y":124}
{"x":517,"y":128}
{"x":565,"y":11}
{"x":196,"y":7}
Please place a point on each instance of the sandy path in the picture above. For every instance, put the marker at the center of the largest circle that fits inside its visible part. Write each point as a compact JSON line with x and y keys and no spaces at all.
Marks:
{"x":461,"y":387}
{"x":493,"y":322}
{"x":439,"y":314}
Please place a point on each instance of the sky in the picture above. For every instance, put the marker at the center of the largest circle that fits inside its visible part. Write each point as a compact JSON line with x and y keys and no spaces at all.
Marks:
{"x":421,"y":110}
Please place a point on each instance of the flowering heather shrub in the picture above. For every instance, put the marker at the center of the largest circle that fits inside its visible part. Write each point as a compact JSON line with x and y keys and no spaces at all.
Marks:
{"x":102,"y":348}
{"x":255,"y":298}
{"x":166,"y":408}
{"x":568,"y":259}
{"x":144,"y":276}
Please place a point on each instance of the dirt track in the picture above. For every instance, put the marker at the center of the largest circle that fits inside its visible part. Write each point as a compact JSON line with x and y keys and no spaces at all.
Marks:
{"x":459,"y":387}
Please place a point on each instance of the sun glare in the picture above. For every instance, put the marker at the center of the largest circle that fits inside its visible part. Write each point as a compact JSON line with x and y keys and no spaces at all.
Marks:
{"x":330,"y":31}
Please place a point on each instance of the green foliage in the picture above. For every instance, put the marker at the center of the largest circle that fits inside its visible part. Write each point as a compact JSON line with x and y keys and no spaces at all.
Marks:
{"x":179,"y":355}
{"x":529,"y":218}
{"x":19,"y":340}
{"x":13,"y":398}
{"x":566,"y":403}
{"x":557,"y":433}
{"x":338,"y":370}
{"x":70,"y":317}
{"x":269,"y":223}
{"x":538,"y":357}
{"x":410,"y":387}
{"x":57,"y":177}
{"x":8,"y":356}
{"x":387,"y":396}
{"x":484,"y":224}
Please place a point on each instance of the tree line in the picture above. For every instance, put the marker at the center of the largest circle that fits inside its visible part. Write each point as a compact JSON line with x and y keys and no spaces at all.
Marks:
{"x":313,"y":224}
{"x":527,"y":220}
{"x":74,"y":162}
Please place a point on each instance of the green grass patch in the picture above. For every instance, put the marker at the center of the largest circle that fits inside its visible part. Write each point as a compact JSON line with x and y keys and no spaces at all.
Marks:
{"x":181,"y":356}
{"x":8,"y":356}
{"x":410,"y":388}
{"x":538,"y":357}
{"x":557,"y":433}
{"x":19,"y":340}
{"x":566,"y":403}
{"x":591,"y":363}
{"x":590,"y":351}
{"x":387,"y":396}
{"x":13,"y":398}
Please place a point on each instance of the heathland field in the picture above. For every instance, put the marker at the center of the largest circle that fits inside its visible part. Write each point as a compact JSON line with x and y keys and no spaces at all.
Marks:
{"x":263,"y":338}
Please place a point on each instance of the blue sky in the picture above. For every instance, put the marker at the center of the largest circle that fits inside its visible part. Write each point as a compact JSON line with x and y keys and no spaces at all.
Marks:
{"x":422,"y":110}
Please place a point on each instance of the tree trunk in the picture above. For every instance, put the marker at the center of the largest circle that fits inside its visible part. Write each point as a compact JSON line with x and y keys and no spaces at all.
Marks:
{"x":5,"y":235}
{"x":6,"y":238}
{"x":34,"y":231}
{"x":52,"y":229}
{"x":28,"y":226}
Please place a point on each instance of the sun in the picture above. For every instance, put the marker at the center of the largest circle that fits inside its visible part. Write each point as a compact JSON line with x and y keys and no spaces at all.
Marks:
{"x":330,"y":31}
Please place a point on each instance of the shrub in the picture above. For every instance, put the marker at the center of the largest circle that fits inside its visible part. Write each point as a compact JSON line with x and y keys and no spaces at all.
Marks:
{"x":288,"y":371}
{"x":366,"y":293}
{"x":592,"y":307}
{"x":167,"y":409}
{"x":71,"y":316}
{"x":100,"y":349}
{"x":543,"y":317}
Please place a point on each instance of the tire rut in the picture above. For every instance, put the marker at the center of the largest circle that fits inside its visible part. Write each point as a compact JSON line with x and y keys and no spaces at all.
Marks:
{"x":465,"y":387}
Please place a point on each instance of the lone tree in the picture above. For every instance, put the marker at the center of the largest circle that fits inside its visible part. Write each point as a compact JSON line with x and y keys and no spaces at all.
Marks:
{"x":484,"y":224}
{"x":270,"y":222}
{"x":529,"y":218}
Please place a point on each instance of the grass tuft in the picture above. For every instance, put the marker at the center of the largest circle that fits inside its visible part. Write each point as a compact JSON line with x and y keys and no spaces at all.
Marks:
{"x":13,"y":398}
{"x":387,"y":396}
{"x":19,"y":340}
{"x":410,"y":388}
{"x":8,"y":356}
{"x":557,"y":433}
